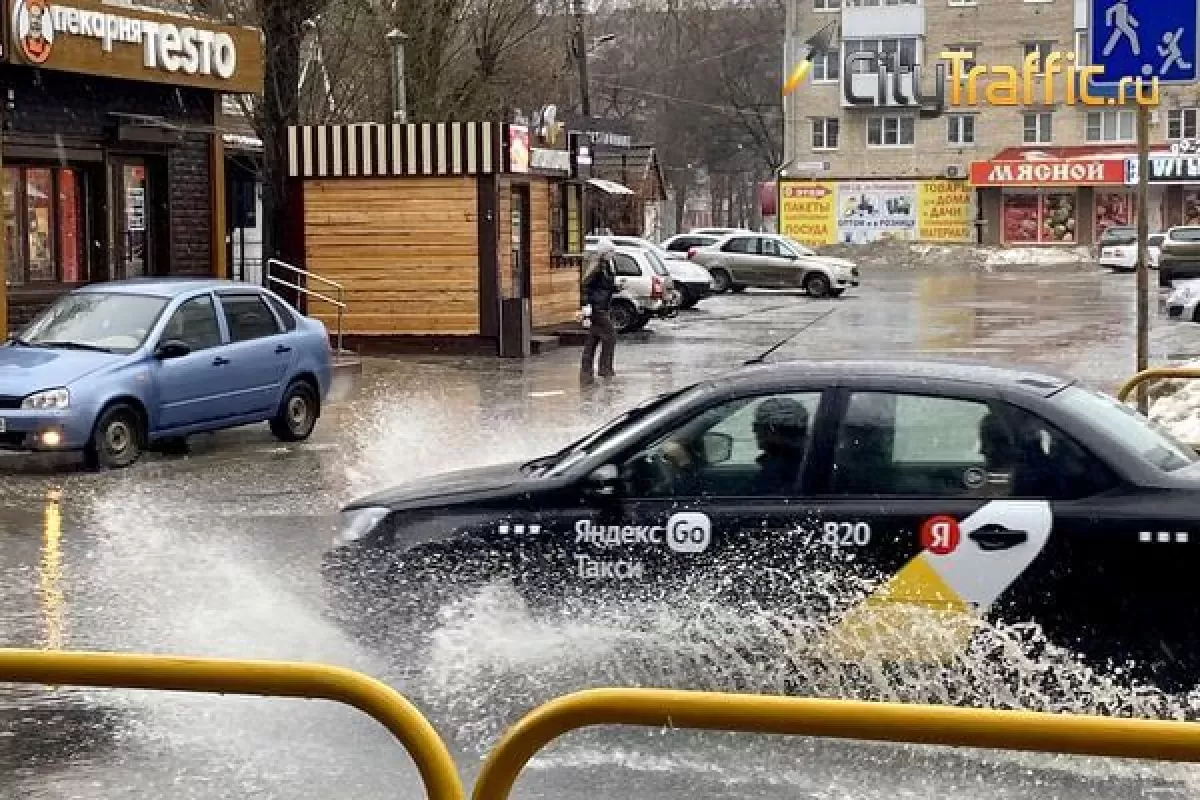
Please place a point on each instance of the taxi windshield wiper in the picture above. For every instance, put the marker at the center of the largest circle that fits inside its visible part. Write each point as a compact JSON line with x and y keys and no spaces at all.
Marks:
{"x":92,"y":348}
{"x":19,"y":342}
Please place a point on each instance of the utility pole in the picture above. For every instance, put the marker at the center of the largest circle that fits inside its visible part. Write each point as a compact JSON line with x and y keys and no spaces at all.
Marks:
{"x":1143,"y":258}
{"x":580,"y":48}
{"x":396,"y":40}
{"x":581,"y":55}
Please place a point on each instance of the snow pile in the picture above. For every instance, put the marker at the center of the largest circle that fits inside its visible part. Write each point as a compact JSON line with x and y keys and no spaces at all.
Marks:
{"x":895,"y":253}
{"x":1039,"y":256}
{"x":1177,"y":406}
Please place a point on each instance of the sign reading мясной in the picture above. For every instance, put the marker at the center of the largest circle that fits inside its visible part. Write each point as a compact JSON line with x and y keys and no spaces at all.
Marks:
{"x":86,"y":37}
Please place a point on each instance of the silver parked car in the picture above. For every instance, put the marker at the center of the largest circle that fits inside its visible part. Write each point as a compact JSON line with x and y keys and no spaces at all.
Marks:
{"x":770,"y":261}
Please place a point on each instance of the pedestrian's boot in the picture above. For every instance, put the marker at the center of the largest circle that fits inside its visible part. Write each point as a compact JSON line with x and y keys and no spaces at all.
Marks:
{"x":586,"y":378}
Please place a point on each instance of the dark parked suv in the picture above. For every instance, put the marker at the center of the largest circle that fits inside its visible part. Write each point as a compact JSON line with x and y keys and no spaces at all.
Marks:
{"x":1180,"y":256}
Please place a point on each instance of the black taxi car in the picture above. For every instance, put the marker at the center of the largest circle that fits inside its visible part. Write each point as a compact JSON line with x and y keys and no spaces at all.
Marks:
{"x":1004,"y":493}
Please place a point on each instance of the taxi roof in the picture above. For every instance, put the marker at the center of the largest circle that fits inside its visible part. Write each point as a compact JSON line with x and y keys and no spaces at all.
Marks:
{"x":848,"y":371}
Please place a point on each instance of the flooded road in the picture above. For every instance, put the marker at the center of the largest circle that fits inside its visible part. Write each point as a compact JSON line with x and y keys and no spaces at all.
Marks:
{"x":216,"y":554}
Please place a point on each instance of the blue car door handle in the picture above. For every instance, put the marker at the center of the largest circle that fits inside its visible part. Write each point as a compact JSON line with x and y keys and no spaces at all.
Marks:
{"x":281,"y":349}
{"x":220,"y":361}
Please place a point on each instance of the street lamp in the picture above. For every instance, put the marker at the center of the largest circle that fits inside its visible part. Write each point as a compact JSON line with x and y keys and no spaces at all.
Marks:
{"x":396,"y":39}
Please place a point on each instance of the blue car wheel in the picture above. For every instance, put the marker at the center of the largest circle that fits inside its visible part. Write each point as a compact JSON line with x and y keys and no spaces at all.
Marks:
{"x":117,"y":438}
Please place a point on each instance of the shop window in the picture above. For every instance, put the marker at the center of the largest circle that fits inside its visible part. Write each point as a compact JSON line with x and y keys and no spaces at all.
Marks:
{"x":1032,"y":218}
{"x":1191,"y":207}
{"x":564,"y":222}
{"x":1112,"y":209}
{"x":44,"y":231}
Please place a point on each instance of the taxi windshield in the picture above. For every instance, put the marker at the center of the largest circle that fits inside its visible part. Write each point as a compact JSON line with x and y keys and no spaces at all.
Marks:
{"x":1147,"y":437}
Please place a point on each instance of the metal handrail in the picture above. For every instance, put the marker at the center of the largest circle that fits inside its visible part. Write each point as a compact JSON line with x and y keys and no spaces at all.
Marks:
{"x":339,"y":303}
{"x":1158,"y":373}
{"x":264,"y":678}
{"x":839,"y":719}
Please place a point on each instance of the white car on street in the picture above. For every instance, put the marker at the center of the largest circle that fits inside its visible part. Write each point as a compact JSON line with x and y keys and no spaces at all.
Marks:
{"x":693,"y":281}
{"x":1184,"y":301}
{"x":1122,"y":254}
{"x":647,"y":290}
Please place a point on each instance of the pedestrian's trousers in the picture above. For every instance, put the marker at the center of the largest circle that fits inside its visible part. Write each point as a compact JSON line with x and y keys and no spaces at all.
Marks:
{"x":603,"y":333}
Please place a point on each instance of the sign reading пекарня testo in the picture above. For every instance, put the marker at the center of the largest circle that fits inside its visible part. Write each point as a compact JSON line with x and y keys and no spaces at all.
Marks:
{"x":115,"y":41}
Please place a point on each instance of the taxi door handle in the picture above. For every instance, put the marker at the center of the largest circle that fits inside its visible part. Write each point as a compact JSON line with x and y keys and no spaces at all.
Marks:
{"x":281,"y":349}
{"x":220,"y":361}
{"x":996,"y":537}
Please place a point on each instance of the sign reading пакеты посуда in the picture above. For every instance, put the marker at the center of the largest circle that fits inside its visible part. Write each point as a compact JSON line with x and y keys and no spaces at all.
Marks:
{"x":114,"y":41}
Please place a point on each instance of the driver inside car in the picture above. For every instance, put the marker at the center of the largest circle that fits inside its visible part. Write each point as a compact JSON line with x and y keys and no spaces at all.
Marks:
{"x":781,"y":428}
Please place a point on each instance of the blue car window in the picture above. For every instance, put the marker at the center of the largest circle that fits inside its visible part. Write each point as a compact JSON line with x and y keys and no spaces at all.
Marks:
{"x":195,"y":323}
{"x":249,"y":317}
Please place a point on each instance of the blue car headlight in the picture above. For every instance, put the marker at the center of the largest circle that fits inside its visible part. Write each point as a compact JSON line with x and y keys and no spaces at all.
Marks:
{"x":49,"y":400}
{"x":358,"y":523}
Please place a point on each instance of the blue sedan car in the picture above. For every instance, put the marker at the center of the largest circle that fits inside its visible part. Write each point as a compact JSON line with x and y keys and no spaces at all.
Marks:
{"x":112,"y":368}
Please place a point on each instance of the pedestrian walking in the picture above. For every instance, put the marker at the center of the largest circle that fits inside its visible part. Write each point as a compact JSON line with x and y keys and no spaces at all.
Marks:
{"x":599,"y":285}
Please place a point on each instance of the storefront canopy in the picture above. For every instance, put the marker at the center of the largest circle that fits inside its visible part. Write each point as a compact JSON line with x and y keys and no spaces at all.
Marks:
{"x":610,"y":187}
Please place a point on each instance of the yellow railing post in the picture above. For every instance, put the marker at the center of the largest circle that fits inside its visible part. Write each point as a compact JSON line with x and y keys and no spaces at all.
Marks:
{"x":841,"y":719}
{"x":1160,"y":373}
{"x":264,"y":678}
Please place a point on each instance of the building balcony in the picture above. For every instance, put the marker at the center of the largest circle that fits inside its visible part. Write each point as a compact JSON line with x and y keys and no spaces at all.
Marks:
{"x":861,"y":20}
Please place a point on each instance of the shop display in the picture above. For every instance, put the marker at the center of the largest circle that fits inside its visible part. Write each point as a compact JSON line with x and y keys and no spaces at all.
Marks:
{"x":1040,"y":218}
{"x":1021,"y":213}
{"x":1191,"y":208}
{"x":1113,"y":209}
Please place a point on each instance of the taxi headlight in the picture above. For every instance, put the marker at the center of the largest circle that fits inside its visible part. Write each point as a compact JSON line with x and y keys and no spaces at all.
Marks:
{"x":49,"y":400}
{"x":358,"y":523}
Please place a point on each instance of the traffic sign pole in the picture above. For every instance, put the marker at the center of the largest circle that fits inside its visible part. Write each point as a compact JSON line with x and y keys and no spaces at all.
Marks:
{"x":1143,"y":256}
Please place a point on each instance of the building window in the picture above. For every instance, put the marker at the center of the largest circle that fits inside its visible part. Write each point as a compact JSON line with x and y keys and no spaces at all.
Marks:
{"x":564,"y":222}
{"x":1039,"y":128}
{"x":960,"y":129}
{"x":1110,"y":126}
{"x":968,"y":64}
{"x":826,"y":133}
{"x":1042,"y":49}
{"x":893,"y":52}
{"x":44,"y":225}
{"x":963,"y":2}
{"x":1182,"y":123}
{"x":827,"y":66}
{"x":827,"y":5}
{"x":878,"y":3}
{"x":890,"y":131}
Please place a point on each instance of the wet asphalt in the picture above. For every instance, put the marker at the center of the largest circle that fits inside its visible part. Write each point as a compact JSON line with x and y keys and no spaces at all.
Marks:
{"x":216,"y":554}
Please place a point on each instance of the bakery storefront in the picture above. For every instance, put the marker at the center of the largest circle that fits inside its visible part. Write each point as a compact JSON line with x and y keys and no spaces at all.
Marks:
{"x":113,"y":162}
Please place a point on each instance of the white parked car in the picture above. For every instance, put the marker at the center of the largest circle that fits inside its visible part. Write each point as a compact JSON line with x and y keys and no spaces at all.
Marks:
{"x":647,"y":291}
{"x":770,"y":261}
{"x":1184,"y":301}
{"x":693,"y":281}
{"x":1120,"y":250}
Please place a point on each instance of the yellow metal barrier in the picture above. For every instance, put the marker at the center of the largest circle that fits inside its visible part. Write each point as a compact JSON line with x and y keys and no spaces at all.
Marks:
{"x":1159,"y":373}
{"x":840,"y":719}
{"x":265,"y":678}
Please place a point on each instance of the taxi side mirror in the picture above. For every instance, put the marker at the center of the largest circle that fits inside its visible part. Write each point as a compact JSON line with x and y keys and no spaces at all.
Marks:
{"x":718,"y":447}
{"x":604,"y":481}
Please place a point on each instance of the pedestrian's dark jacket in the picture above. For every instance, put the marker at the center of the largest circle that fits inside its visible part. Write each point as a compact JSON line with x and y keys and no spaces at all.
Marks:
{"x":600,"y":285}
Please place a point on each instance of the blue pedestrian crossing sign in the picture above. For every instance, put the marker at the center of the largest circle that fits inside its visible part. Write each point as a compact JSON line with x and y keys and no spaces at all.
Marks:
{"x":1145,"y":39}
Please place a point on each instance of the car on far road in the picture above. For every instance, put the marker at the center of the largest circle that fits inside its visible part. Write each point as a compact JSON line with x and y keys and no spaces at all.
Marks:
{"x":1179,"y":256}
{"x":113,"y":368}
{"x":679,"y":245}
{"x":939,"y":495}
{"x":1184,"y":301}
{"x":647,"y":292}
{"x":1119,"y":251}
{"x":693,"y":281}
{"x":770,"y":261}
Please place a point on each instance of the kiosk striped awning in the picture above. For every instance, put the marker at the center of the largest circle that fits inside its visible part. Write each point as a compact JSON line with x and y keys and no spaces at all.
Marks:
{"x":372,"y":150}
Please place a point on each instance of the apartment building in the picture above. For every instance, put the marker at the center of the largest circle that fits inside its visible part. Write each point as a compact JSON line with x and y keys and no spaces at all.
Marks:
{"x":1042,"y":172}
